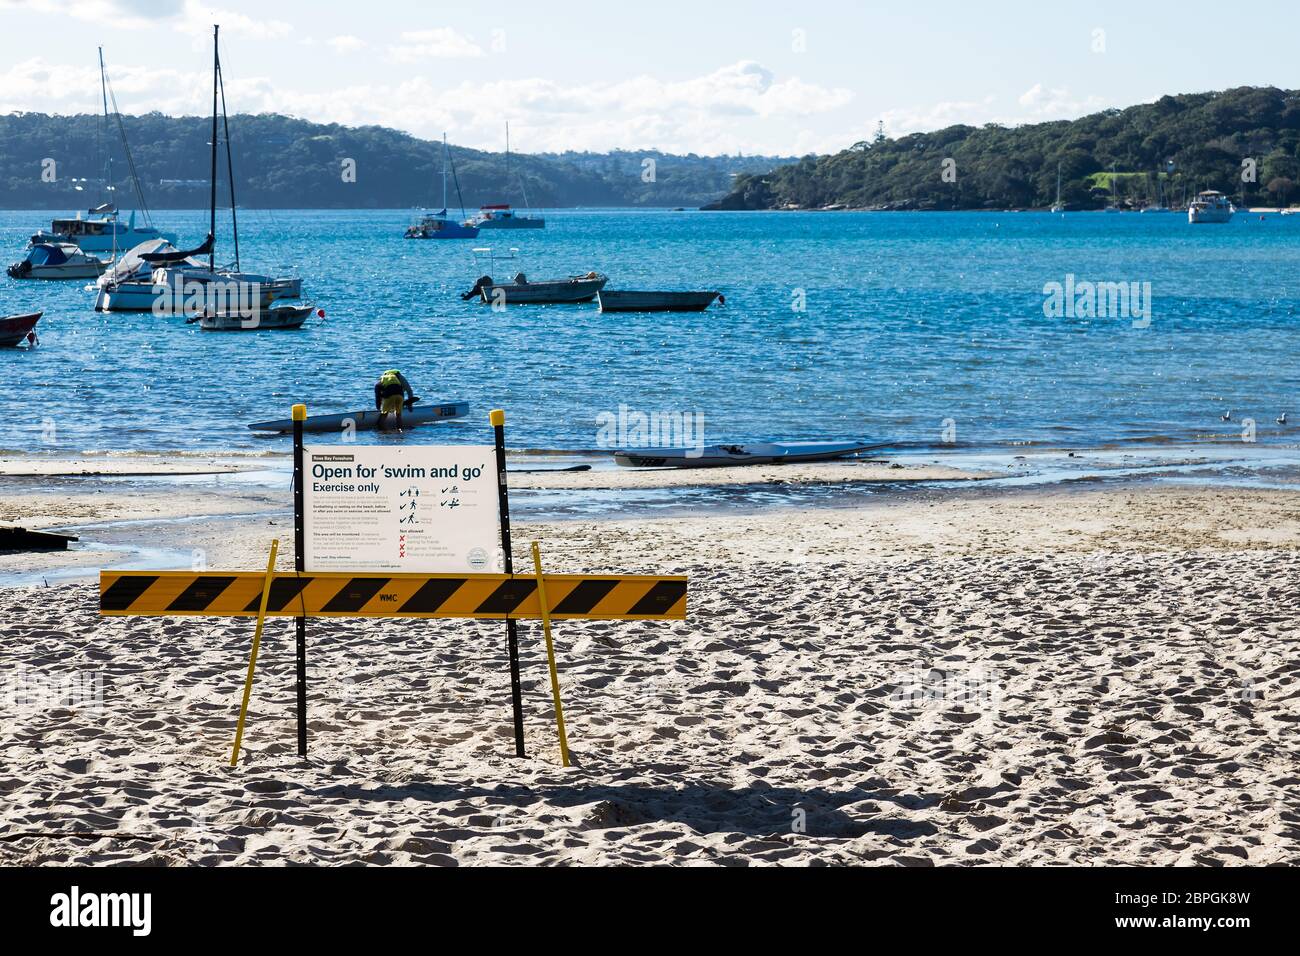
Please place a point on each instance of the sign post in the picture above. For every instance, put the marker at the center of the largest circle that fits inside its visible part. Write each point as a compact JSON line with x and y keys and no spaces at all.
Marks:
{"x":498,"y":420}
{"x":252,"y":656}
{"x":550,"y":654}
{"x":299,"y":559}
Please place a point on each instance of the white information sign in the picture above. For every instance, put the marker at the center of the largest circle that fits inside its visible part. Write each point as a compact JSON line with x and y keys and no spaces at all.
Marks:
{"x":418,"y":510}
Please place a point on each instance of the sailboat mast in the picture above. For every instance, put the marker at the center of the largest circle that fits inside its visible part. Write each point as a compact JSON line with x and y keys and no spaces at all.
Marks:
{"x":212,"y":201}
{"x":444,"y":173}
{"x":230,"y":164}
{"x":105,"y":158}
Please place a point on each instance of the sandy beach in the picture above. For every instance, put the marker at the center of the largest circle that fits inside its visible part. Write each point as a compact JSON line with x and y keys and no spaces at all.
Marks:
{"x":970,"y":676}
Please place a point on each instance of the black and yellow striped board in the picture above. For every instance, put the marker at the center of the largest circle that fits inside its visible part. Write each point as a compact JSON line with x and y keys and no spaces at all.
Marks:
{"x":307,"y":595}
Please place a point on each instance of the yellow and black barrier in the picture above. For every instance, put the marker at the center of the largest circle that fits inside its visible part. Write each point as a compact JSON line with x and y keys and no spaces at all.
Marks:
{"x":479,"y":596}
{"x":301,"y":594}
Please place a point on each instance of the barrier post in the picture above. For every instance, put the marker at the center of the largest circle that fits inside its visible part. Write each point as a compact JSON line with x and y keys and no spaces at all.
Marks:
{"x":300,"y":565}
{"x":550,"y":654}
{"x":498,"y":420}
{"x":252,"y":657}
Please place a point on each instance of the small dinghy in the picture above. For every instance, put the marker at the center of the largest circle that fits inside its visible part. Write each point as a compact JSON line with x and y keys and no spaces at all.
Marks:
{"x":657,"y":301}
{"x":278,"y":316}
{"x":729,"y":456}
{"x":368,"y":420}
{"x":15,"y":329}
{"x":524,"y":291}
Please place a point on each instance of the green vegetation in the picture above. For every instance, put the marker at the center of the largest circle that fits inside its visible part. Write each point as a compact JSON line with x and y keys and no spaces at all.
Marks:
{"x":1206,"y":136}
{"x":282,"y":162}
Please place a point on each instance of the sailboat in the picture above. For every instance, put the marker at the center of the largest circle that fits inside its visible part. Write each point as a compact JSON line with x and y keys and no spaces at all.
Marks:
{"x":437,"y":225}
{"x":501,"y":216}
{"x":103,"y":230}
{"x":1057,"y":207}
{"x":179,"y":283}
{"x":1160,"y":204}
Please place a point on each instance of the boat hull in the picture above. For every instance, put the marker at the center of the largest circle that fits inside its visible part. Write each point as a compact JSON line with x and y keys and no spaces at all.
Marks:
{"x":656,"y":301}
{"x":262,"y":320}
{"x":369,"y":419}
{"x":70,"y":270}
{"x":511,"y":223}
{"x":441,"y":229}
{"x":14,"y":328}
{"x":731,"y":456}
{"x":149,"y":296}
{"x":105,"y":243}
{"x":544,"y":293}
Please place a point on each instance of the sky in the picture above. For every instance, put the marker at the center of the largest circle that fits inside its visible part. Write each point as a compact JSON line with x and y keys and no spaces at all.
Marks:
{"x":776,"y":77}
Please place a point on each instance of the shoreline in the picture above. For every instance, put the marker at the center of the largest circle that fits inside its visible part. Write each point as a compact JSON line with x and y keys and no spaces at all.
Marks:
{"x":132,"y":513}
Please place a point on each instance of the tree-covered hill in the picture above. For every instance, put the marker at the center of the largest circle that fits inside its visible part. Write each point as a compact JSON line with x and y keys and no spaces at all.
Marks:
{"x":1175,"y":147}
{"x":281,"y":162}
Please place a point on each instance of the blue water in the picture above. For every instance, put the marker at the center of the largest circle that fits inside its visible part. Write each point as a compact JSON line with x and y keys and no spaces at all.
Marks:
{"x":911,"y":320}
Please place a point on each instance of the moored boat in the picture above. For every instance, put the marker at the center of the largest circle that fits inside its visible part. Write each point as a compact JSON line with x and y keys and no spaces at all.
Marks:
{"x":55,"y":261}
{"x":503,"y":217}
{"x":101,"y":234}
{"x":1210,"y":206}
{"x":500,"y":215}
{"x":276,"y":317}
{"x":438,"y":225}
{"x":657,"y":301}
{"x":522,"y":291}
{"x":178,"y":283}
{"x":369,"y":419}
{"x":725,"y":456}
{"x":14,"y":329}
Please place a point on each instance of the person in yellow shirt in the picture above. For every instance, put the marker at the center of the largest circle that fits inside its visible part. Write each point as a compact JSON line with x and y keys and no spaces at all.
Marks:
{"x":393,"y":393}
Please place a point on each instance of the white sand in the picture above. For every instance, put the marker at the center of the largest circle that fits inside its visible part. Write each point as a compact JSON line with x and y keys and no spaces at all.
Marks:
{"x":1102,"y":677}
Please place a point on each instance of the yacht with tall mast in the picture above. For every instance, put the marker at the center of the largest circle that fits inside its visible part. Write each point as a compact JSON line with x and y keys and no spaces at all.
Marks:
{"x":178,"y":282}
{"x":437,"y":225}
{"x":500,"y":215}
{"x":101,"y":230}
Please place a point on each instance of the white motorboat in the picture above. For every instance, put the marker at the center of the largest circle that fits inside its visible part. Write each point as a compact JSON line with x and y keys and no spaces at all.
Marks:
{"x":102,"y":234}
{"x":1210,"y":206}
{"x":61,"y":260}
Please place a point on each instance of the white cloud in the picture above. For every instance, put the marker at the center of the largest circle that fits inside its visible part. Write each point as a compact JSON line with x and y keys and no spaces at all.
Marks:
{"x":1046,"y":104}
{"x":442,"y":43}
{"x":740,"y":107}
{"x":1038,"y":104}
{"x":901,"y":122}
{"x":346,"y":43}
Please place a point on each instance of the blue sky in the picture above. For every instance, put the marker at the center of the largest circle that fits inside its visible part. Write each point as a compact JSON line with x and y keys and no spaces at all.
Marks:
{"x":710,"y":76}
